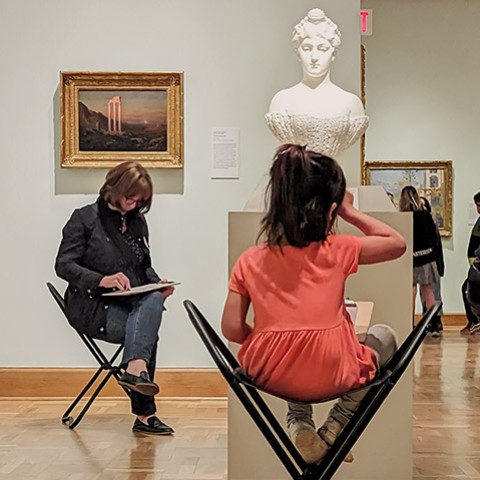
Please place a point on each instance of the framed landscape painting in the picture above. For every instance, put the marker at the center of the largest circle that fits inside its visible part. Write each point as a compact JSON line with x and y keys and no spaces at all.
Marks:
{"x":112,"y":117}
{"x":432,"y":179}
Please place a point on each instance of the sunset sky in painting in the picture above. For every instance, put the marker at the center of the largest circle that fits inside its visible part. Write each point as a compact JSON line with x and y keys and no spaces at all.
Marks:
{"x":138,"y":106}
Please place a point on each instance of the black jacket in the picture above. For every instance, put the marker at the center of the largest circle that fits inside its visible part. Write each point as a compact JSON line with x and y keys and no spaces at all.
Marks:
{"x":473,"y":285}
{"x":425,"y":238}
{"x":474,"y":242}
{"x":92,"y":246}
{"x":438,"y":251}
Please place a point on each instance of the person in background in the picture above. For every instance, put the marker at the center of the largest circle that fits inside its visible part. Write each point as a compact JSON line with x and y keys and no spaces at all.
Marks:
{"x":303,"y":344}
{"x":437,"y":292}
{"x":425,"y":272}
{"x":473,"y":322}
{"x":105,"y":247}
{"x":473,"y":286}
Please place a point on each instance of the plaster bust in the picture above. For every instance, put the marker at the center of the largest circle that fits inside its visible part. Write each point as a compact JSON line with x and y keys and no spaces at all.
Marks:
{"x":315,"y":112}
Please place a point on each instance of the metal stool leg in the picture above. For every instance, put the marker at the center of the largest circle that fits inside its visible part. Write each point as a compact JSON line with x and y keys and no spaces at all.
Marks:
{"x":106,"y":365}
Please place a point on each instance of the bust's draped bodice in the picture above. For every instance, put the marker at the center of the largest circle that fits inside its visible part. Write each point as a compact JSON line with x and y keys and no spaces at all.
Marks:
{"x":328,"y":136}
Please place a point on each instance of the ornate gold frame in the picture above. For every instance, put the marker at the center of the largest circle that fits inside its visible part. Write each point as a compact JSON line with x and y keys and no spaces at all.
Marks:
{"x":445,"y":165}
{"x":73,"y":82}
{"x":363,"y":96}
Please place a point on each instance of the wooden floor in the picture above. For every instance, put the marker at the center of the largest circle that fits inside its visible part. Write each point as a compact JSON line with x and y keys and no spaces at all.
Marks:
{"x":35,"y":445}
{"x":446,"y":437}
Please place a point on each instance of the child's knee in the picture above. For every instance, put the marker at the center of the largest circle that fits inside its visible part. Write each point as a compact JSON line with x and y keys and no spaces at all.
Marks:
{"x":383,"y":339}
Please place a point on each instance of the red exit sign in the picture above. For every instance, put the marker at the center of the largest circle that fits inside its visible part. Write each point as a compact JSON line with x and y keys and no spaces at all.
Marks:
{"x":366,"y":22}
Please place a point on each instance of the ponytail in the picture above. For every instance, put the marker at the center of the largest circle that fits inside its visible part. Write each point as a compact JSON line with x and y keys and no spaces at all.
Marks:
{"x":302,"y":188}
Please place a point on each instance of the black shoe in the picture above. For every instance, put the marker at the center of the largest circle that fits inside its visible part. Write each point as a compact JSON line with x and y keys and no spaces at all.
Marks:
{"x":155,"y":427}
{"x":141,"y":384}
{"x":437,"y":333}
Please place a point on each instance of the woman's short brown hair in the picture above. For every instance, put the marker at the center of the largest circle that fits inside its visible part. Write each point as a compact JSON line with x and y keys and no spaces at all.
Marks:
{"x":128,"y":179}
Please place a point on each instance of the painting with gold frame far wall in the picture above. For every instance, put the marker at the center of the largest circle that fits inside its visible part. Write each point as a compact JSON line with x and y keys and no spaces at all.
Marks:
{"x":432,"y":179}
{"x":112,"y":117}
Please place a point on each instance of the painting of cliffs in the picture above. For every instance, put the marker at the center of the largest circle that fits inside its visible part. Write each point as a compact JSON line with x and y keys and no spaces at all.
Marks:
{"x":122,"y":120}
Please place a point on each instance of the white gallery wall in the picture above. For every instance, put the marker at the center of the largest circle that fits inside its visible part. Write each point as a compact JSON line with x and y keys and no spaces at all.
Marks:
{"x":423,"y":98}
{"x":235,"y":55}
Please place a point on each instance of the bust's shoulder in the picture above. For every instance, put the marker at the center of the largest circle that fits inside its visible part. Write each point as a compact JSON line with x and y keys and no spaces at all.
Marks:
{"x":283,"y":98}
{"x":348,"y":99}
{"x":328,"y":100}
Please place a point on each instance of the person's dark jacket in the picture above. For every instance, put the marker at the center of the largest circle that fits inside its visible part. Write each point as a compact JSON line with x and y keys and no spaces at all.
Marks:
{"x":438,"y":252}
{"x":425,"y":239}
{"x":92,"y":246}
{"x":474,"y":241}
{"x":473,"y":285}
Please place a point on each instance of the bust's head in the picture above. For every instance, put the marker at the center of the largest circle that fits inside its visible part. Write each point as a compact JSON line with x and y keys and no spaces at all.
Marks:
{"x":315,"y":39}
{"x":316,"y":23}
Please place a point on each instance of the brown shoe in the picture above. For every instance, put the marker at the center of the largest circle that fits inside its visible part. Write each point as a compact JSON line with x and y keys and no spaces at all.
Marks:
{"x":307,"y":441}
{"x":465,"y":330}
{"x":329,"y":431}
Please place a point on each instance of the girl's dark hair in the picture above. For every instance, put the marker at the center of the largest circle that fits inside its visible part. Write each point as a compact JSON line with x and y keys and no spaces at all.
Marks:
{"x":409,"y":200}
{"x":303,"y":187}
{"x":128,"y":179}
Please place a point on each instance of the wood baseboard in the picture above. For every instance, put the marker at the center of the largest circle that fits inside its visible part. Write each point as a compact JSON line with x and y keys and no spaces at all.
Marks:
{"x":174,"y":382}
{"x":68,"y":382}
{"x":450,"y":320}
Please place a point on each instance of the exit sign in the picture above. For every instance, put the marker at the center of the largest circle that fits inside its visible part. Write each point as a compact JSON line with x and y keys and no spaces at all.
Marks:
{"x":366,"y":22}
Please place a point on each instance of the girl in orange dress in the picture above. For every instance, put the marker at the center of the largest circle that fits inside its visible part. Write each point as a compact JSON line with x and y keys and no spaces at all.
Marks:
{"x":302,"y":345}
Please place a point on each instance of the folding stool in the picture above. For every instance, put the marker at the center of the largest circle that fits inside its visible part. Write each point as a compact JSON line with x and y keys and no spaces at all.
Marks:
{"x":248,"y":394}
{"x":105,"y":364}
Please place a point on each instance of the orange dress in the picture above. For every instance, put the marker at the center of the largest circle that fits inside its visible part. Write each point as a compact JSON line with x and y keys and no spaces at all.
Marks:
{"x":303,"y":345}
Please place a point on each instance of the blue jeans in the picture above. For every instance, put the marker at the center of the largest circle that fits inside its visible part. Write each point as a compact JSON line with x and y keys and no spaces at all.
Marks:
{"x":135,"y":323}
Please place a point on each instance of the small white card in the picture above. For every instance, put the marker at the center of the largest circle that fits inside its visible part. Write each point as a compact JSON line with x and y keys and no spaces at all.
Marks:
{"x":225,"y":152}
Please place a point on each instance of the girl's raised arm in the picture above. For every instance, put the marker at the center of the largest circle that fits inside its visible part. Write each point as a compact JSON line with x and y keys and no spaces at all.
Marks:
{"x":381,"y":242}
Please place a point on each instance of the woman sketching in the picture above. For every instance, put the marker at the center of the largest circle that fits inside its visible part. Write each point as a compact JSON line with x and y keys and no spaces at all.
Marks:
{"x":105,"y":247}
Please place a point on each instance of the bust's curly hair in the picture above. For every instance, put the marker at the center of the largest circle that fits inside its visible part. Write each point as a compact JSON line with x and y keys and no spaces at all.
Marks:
{"x":316,"y":23}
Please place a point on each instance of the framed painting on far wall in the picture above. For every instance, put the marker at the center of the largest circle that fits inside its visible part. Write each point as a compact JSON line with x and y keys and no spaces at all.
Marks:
{"x":111,"y":117}
{"x":432,"y":179}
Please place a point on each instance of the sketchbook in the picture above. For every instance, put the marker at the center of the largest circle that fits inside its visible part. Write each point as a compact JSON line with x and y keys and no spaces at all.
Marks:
{"x":360,"y":312}
{"x":149,"y":287}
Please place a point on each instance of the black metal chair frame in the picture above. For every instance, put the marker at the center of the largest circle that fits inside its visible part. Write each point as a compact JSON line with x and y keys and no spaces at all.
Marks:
{"x":248,"y":394}
{"x":105,"y":364}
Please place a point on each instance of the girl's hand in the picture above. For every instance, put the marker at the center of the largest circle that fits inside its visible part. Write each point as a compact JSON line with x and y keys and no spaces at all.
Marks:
{"x":346,"y":208}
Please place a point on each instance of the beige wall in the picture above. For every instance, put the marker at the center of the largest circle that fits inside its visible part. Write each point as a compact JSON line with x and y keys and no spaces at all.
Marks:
{"x":235,"y":56}
{"x":423,"y":72}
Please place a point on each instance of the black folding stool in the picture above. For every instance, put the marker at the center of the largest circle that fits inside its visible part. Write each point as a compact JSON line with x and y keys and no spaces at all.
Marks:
{"x":105,"y":364}
{"x":247,"y":393}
